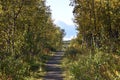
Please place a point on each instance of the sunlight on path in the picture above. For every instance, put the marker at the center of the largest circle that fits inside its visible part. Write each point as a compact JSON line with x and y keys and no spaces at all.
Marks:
{"x":53,"y":67}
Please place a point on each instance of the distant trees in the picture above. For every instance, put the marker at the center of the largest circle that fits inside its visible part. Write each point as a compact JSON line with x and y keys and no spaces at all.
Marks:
{"x":26,"y":30}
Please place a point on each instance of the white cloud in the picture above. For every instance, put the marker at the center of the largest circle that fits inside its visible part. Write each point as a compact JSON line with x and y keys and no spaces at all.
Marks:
{"x":61,"y":11}
{"x":69,"y":38}
{"x":62,"y":16}
{"x":67,"y":21}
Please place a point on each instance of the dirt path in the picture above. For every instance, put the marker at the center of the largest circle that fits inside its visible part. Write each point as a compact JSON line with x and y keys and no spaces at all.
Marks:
{"x":53,"y":67}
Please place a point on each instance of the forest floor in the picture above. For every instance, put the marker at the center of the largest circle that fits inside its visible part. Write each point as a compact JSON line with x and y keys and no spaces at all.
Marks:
{"x":54,"y":68}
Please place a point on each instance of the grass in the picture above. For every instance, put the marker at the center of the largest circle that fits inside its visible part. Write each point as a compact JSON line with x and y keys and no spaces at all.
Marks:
{"x":101,"y":66}
{"x":39,"y":73}
{"x":65,"y":65}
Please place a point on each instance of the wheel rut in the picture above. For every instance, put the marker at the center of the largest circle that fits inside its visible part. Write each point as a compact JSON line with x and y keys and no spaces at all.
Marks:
{"x":53,"y":67}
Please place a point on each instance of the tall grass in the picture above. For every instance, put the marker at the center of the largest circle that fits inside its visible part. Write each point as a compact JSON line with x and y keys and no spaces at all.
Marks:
{"x":92,"y":65}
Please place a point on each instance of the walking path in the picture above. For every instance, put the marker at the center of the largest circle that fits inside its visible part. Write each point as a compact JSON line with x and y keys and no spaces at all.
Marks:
{"x":53,"y":67}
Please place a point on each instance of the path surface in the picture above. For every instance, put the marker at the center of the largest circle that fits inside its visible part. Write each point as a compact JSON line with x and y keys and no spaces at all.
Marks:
{"x":53,"y":67}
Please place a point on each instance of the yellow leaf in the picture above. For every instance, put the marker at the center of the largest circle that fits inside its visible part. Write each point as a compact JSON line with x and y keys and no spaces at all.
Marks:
{"x":116,"y":72}
{"x":1,"y":9}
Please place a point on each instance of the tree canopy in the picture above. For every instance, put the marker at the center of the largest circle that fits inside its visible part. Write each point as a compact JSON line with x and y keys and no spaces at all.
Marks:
{"x":26,"y":33}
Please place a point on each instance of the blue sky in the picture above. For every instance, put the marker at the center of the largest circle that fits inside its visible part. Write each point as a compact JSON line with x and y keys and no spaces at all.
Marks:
{"x":62,"y":16}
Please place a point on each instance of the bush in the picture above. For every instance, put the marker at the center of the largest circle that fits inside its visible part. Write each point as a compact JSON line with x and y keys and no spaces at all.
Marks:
{"x":100,"y":66}
{"x":13,"y":69}
{"x":71,"y":52}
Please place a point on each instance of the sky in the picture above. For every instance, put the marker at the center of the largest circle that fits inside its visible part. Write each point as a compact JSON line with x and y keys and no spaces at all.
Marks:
{"x":62,"y":16}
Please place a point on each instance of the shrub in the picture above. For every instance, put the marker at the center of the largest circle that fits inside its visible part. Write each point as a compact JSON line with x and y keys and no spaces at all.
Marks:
{"x":100,"y":66}
{"x":71,"y":52}
{"x":13,"y":69}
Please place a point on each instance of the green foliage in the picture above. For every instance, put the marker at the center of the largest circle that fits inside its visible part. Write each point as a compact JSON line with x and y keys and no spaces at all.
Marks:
{"x":97,"y":23}
{"x":12,"y":68}
{"x":71,"y":52}
{"x":101,"y":66}
{"x":27,"y":33}
{"x":98,"y":42}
